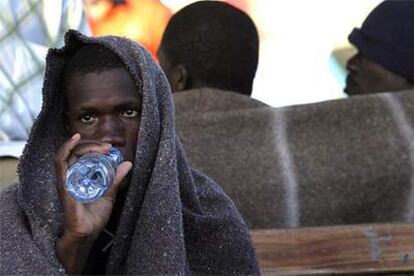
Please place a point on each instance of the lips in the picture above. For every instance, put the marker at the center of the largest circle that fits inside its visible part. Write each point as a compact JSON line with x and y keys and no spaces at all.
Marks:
{"x":350,"y":85}
{"x":350,"y":80}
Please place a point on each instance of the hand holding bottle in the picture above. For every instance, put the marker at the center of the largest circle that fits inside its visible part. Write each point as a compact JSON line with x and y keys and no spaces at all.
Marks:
{"x":83,"y":222}
{"x":91,"y":176}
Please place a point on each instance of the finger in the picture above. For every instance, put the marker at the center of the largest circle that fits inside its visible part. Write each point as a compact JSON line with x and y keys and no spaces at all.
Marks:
{"x":61,"y":160}
{"x":122,"y":170}
{"x":65,"y":150}
{"x":90,"y":147}
{"x":87,"y":148}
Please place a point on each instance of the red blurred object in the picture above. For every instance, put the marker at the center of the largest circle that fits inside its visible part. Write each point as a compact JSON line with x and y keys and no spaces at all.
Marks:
{"x":240,"y":4}
{"x":141,"y":20}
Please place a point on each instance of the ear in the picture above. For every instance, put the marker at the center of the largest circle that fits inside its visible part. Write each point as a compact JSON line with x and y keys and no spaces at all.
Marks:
{"x":179,"y":78}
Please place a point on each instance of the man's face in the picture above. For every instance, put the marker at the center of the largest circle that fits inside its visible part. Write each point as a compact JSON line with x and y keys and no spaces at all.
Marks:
{"x":366,"y":76}
{"x":105,"y":107}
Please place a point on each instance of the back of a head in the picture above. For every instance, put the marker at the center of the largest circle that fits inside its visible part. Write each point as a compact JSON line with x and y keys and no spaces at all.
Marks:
{"x":217,"y":43}
{"x":387,"y":36}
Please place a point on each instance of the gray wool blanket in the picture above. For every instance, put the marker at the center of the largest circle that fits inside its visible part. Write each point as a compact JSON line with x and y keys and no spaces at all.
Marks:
{"x":175,"y":220}
{"x":345,"y":161}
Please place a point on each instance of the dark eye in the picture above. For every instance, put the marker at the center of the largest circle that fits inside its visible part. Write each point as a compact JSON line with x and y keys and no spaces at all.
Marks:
{"x":88,"y":119}
{"x":129,"y":113}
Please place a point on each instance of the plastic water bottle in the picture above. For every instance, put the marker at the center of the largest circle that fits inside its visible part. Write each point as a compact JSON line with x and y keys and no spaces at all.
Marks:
{"x":90,"y":176}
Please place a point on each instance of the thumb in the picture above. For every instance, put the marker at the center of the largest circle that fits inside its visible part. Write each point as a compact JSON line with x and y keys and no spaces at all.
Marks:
{"x":121,"y":171}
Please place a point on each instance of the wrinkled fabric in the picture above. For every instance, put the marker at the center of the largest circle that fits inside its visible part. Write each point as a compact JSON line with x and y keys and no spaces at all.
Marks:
{"x":175,"y":220}
{"x":345,"y":161}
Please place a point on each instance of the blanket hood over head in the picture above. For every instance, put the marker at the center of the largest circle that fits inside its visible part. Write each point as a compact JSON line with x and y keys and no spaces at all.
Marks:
{"x":175,"y":220}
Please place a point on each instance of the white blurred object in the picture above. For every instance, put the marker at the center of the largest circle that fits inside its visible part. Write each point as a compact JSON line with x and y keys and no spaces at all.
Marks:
{"x":50,"y":8}
{"x":297,"y":64}
{"x":12,"y":148}
{"x":3,"y":136}
{"x":27,"y":29}
{"x":176,"y":5}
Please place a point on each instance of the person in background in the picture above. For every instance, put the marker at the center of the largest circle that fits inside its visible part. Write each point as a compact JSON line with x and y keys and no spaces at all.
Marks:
{"x":209,"y":53}
{"x":385,"y":43}
{"x":159,"y":215}
{"x":210,"y":44}
{"x":347,"y":161}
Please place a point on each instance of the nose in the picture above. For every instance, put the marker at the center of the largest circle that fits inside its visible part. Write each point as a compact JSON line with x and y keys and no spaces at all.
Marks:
{"x":111,"y":131}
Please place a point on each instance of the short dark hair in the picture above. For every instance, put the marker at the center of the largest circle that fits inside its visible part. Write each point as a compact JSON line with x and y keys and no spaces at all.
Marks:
{"x":216,"y":42}
{"x":90,"y":58}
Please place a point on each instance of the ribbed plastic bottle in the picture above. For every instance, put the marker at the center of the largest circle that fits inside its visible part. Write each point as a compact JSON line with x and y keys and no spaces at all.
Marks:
{"x":90,"y":176}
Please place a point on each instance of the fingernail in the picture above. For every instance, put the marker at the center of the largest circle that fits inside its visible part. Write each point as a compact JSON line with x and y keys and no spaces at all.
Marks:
{"x":75,"y":136}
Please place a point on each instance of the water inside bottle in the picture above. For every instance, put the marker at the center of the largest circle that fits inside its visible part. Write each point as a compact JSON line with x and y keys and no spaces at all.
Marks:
{"x":90,"y":177}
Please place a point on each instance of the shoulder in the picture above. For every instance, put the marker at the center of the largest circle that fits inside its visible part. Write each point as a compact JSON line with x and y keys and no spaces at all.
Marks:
{"x":10,"y":212}
{"x":212,"y":100}
{"x":19,"y":253}
{"x":8,"y":197}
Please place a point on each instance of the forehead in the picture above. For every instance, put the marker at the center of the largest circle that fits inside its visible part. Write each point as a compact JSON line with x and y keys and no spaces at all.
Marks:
{"x":109,"y":86}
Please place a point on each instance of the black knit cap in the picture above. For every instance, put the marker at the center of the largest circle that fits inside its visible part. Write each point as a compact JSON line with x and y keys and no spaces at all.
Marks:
{"x":387,"y":36}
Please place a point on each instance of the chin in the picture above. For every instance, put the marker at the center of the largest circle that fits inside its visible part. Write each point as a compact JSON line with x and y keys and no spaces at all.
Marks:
{"x":351,"y":91}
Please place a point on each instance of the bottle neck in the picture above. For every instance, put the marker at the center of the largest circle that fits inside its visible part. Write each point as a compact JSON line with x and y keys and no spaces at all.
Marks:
{"x":115,"y":157}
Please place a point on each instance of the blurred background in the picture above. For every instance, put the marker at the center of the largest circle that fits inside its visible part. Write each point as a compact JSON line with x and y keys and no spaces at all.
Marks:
{"x":303,"y":47}
{"x":303,"y":43}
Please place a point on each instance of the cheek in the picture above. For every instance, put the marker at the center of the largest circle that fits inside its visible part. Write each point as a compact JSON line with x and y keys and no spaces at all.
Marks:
{"x":368,"y":77}
{"x":131,"y":134}
{"x":71,"y":127}
{"x":85,"y":132}
{"x":131,"y":137}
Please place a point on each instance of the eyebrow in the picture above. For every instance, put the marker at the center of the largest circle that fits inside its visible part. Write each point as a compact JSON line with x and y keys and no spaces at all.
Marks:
{"x":93,"y":106}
